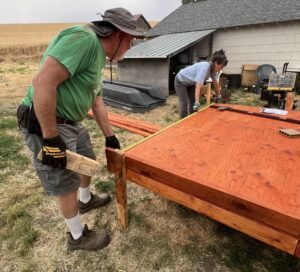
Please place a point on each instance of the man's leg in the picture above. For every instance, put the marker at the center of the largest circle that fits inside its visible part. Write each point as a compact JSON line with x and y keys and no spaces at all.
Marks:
{"x":84,"y":189}
{"x":87,"y":200}
{"x":64,"y":184}
{"x":68,"y":204}
{"x":69,"y":208}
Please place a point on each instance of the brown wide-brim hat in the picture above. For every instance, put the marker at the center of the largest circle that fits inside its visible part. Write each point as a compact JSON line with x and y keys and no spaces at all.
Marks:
{"x":122,"y":19}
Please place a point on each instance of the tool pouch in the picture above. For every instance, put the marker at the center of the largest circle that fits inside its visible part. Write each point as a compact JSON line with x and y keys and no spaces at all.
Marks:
{"x":27,"y":119}
{"x":33,"y":123}
{"x":22,"y":116}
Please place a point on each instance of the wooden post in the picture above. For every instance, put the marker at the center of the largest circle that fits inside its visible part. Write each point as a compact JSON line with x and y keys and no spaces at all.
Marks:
{"x":297,"y":252}
{"x":121,"y":192}
{"x":289,"y":101}
{"x":116,"y":164}
{"x":208,"y":93}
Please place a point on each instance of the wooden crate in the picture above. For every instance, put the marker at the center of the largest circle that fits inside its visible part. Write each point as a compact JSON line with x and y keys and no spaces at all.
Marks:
{"x":249,"y":77}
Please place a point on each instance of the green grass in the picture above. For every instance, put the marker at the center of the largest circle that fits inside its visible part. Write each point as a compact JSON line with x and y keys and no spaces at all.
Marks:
{"x":9,"y":123}
{"x":105,"y":186}
{"x":241,"y":253}
{"x":192,"y":250}
{"x":10,"y":147}
{"x":144,"y":245}
{"x":138,"y":219}
{"x":8,"y":110}
{"x":242,"y":97}
{"x":167,"y":119}
{"x":14,"y":70}
{"x":17,"y":230}
{"x":20,"y":70}
{"x":186,"y":212}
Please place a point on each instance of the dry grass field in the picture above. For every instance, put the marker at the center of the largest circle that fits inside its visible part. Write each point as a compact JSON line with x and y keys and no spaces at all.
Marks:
{"x":163,"y":236}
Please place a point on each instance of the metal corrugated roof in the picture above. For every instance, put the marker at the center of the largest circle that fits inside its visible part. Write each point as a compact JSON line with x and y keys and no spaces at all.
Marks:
{"x":166,"y":45}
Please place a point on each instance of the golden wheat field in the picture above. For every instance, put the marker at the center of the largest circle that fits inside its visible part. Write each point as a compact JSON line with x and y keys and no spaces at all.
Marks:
{"x":27,"y":39}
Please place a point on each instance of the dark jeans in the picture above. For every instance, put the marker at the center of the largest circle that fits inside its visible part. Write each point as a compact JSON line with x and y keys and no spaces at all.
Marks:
{"x":186,"y":96}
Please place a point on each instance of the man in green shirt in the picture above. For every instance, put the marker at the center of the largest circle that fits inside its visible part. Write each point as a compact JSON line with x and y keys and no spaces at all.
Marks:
{"x":67,"y":85}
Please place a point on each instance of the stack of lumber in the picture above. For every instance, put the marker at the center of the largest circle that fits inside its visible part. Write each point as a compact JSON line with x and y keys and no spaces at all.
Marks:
{"x":130,"y":124}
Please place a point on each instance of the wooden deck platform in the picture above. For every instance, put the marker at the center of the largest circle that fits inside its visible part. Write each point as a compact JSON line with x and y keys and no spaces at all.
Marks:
{"x":235,"y":168}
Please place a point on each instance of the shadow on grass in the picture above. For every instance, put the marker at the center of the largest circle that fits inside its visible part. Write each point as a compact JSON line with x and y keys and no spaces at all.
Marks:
{"x":239,"y":252}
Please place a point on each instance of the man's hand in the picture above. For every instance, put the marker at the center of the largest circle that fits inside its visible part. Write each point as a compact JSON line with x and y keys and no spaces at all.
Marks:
{"x":196,"y":106}
{"x":54,"y":152}
{"x":113,"y":142}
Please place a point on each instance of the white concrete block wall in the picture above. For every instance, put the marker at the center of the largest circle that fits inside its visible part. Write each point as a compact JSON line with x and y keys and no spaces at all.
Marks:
{"x":274,"y":43}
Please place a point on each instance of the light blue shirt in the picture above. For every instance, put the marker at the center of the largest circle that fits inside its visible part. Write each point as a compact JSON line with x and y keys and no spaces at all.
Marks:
{"x":199,"y":72}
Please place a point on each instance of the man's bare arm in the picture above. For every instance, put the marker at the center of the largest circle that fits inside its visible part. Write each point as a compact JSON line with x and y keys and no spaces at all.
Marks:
{"x":45,"y":84}
{"x":100,"y":113}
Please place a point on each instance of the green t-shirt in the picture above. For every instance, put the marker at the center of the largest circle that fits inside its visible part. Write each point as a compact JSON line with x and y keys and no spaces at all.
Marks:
{"x":82,"y":54}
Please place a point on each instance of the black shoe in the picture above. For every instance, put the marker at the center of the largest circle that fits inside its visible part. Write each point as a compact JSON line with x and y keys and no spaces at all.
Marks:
{"x":90,"y":240}
{"x":95,"y":202}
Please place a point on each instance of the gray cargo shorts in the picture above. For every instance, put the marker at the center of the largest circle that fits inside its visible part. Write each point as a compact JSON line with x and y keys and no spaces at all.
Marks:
{"x":54,"y":180}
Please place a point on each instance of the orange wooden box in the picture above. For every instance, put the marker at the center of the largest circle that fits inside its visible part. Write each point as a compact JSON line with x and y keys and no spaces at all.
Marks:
{"x":235,"y":168}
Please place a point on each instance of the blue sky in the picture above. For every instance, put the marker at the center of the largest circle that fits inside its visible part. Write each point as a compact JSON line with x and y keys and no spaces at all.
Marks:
{"x":56,"y":11}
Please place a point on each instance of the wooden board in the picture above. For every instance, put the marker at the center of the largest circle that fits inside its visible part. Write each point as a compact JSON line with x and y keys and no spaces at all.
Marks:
{"x":257,"y":230}
{"x":297,"y":252}
{"x":238,"y":162}
{"x":133,"y":125}
{"x":290,"y":132}
{"x":79,"y":163}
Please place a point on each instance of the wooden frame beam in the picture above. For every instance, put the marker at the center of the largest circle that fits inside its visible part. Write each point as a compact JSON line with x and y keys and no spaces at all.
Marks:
{"x":226,"y":201}
{"x":260,"y":231}
{"x":297,"y":252}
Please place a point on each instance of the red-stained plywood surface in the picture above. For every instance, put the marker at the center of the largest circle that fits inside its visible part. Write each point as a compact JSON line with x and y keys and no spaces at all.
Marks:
{"x":239,"y":162}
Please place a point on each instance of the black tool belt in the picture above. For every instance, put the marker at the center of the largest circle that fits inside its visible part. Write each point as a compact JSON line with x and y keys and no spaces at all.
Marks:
{"x":61,"y":120}
{"x":27,"y":119}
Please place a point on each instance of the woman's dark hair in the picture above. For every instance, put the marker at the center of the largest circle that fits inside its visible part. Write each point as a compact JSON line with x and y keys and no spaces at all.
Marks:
{"x":219,"y":57}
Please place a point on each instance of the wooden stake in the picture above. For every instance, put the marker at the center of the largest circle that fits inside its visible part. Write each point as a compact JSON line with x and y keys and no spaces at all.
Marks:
{"x":289,"y":101}
{"x":117,"y":165}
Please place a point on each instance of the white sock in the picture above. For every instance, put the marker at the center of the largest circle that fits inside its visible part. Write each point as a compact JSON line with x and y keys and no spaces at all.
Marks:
{"x":85,"y":194}
{"x":75,"y":226}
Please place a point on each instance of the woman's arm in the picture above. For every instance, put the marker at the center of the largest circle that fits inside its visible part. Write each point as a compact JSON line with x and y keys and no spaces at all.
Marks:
{"x":198,"y":91}
{"x":217,"y":87}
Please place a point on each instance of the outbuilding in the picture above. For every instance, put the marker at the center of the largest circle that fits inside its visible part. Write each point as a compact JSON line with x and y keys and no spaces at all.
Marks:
{"x":251,"y":32}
